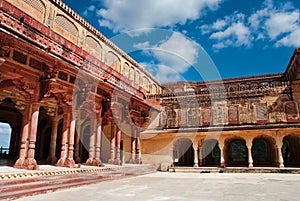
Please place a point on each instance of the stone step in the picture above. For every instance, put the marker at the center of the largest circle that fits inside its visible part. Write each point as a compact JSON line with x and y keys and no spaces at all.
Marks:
{"x":14,"y":188}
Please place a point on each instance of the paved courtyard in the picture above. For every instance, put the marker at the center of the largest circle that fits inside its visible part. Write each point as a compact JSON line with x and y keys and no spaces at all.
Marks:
{"x":186,"y":186}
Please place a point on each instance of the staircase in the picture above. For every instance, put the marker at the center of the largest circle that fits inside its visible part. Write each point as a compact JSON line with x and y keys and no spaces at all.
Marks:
{"x":14,"y":187}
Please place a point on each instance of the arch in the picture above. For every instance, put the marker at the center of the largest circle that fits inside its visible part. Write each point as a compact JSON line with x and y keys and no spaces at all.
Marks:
{"x":113,"y":61}
{"x":125,"y":69}
{"x":93,"y":47}
{"x":183,"y":153}
{"x":12,"y":118}
{"x":43,"y":135}
{"x":131,"y":74}
{"x":66,"y":28}
{"x":154,"y":89}
{"x":137,"y":77}
{"x":146,"y":83}
{"x":35,"y":8}
{"x":210,"y":153}
{"x":264,"y":152}
{"x":291,"y":150}
{"x":236,"y":152}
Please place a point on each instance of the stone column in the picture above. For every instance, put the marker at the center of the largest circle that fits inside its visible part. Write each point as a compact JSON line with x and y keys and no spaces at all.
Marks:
{"x":52,"y":158}
{"x":280,"y":157}
{"x":138,"y":148}
{"x":118,"y":154}
{"x":24,"y":138}
{"x":64,"y":140}
{"x":77,"y":143}
{"x":112,"y":143}
{"x":222,"y":158}
{"x":98,"y":142}
{"x":32,"y":137}
{"x":92,"y":151}
{"x":250,"y":160}
{"x":133,"y":142}
{"x":279,"y":144}
{"x":71,"y":162}
{"x":195,"y":146}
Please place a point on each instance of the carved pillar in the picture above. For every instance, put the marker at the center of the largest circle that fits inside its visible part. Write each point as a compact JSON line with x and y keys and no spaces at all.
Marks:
{"x":133,"y":141}
{"x":24,"y":142}
{"x":32,"y":137}
{"x":71,"y":162}
{"x":195,"y":146}
{"x":98,"y":142}
{"x":77,"y":142}
{"x":250,"y":160}
{"x":112,"y":143}
{"x":222,"y":158}
{"x":118,"y":150}
{"x":280,"y":157}
{"x":138,"y":159}
{"x":93,"y":159}
{"x":64,"y":141}
{"x":52,"y":158}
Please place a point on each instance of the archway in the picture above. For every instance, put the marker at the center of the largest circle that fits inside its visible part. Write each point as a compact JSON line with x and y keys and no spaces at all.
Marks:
{"x":210,"y":153}
{"x":43,"y":136}
{"x":183,"y":153}
{"x":236,"y":153}
{"x":85,"y":143}
{"x":291,"y":150}
{"x":263,"y":152}
{"x":11,"y":119}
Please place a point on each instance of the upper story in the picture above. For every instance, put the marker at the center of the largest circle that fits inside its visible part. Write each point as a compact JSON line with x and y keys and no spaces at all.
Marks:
{"x":264,"y":100}
{"x":62,"y":32}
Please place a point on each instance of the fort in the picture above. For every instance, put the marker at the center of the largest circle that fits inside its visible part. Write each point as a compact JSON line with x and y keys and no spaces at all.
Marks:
{"x":72,"y":96}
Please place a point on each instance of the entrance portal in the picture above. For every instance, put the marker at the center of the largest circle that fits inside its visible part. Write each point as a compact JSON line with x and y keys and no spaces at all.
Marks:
{"x":183,"y":154}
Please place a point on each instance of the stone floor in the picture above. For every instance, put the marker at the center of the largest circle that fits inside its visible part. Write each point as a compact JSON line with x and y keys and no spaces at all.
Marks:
{"x":186,"y":186}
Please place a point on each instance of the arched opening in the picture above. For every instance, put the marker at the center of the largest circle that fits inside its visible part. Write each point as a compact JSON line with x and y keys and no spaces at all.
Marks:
{"x":85,"y":143}
{"x":10,"y":132}
{"x":263,"y":152}
{"x":43,"y":138}
{"x":183,"y":154}
{"x":291,"y":150}
{"x":5,"y":137}
{"x":236,"y":153}
{"x":210,"y":153}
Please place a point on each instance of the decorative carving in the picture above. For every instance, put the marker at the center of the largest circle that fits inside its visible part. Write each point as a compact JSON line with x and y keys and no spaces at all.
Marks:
{"x":261,"y":113}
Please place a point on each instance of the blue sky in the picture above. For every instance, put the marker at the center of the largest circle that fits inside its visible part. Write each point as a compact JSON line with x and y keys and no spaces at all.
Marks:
{"x":199,"y":39}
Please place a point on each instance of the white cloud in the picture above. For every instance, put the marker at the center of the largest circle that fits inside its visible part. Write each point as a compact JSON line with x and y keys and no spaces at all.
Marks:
{"x":167,"y":74}
{"x":88,"y":10}
{"x":278,"y":23}
{"x":177,"y":52}
{"x":174,"y":56}
{"x":124,"y":15}
{"x":231,"y":32}
{"x":292,"y":39}
{"x":219,"y":24}
{"x":282,"y":22}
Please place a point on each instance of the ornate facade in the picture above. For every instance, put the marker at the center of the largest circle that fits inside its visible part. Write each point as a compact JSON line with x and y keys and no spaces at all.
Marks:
{"x":248,"y":121}
{"x":68,"y":93}
{"x":71,"y":96}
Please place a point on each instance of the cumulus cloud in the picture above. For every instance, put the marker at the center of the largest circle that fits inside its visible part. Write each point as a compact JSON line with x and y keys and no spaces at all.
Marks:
{"x":278,"y":23}
{"x":89,"y":10}
{"x":174,"y":56}
{"x":124,"y":15}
